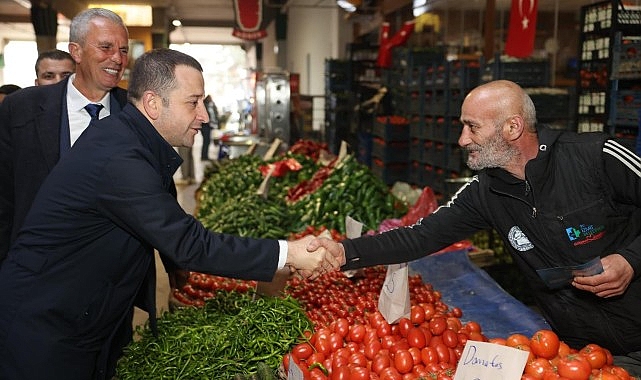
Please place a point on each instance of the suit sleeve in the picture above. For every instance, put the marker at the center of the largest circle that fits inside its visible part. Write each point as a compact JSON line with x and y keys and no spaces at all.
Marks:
{"x":6,"y":179}
{"x":133,"y":197}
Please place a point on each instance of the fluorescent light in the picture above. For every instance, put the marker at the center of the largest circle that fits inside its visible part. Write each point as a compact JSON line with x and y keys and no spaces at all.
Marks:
{"x":346,"y":5}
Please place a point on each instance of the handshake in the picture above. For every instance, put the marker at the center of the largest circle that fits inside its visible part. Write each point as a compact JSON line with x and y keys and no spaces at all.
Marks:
{"x":310,"y":257}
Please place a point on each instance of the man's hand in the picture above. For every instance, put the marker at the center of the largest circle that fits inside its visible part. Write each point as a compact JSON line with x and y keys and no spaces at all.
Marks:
{"x":309,"y":263}
{"x":613,"y":281}
{"x":334,"y":248}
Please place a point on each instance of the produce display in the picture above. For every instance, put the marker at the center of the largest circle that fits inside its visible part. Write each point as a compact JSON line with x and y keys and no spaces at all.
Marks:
{"x":317,"y":194}
{"x":232,"y":335}
{"x":331,"y":327}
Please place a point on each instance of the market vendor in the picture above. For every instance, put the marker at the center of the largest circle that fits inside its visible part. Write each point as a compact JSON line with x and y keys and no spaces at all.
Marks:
{"x":85,"y":254}
{"x":560,"y":200}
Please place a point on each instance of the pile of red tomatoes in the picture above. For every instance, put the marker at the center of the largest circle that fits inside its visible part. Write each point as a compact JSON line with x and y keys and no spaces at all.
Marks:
{"x":353,"y":341}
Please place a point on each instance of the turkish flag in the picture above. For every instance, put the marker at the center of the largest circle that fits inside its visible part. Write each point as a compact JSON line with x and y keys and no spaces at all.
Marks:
{"x":520,"y":35}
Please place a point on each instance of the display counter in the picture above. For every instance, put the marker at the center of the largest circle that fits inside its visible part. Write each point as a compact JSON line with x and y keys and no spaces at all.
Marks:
{"x":462,"y":284}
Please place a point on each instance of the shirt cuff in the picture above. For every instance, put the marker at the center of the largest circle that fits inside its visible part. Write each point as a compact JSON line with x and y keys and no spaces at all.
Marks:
{"x":282,"y":253}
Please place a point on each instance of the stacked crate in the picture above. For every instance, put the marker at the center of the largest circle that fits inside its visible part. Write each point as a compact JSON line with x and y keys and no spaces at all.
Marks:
{"x":446,"y":84}
{"x":390,"y":148}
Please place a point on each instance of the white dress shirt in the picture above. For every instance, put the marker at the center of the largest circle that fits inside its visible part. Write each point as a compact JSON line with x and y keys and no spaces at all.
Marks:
{"x":79,"y":117}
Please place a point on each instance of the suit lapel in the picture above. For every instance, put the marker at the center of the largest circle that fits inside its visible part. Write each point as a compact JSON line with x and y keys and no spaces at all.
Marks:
{"x":48,"y":121}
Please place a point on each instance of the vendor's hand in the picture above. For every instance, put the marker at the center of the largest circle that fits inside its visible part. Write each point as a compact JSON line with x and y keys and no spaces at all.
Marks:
{"x":309,"y":264}
{"x":613,"y":281}
{"x":336,"y":249}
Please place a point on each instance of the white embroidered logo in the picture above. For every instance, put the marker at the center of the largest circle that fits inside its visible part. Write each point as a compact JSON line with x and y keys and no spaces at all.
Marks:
{"x":518,"y":240}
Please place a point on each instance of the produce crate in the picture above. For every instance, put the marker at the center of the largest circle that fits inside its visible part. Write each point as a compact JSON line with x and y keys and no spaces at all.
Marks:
{"x":365,"y":149}
{"x":435,"y":154}
{"x":455,"y":158}
{"x":464,"y":74}
{"x":417,"y":149}
{"x":552,"y":105}
{"x":527,"y":73}
{"x":416,"y":173}
{"x":418,"y":128}
{"x":447,"y":129}
{"x":392,"y":128}
{"x":627,"y":61}
{"x":390,"y":172}
{"x":390,"y":151}
{"x":410,"y":57}
{"x":627,"y":106}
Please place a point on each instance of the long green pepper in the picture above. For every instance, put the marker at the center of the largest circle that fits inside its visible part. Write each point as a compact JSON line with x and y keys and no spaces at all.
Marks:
{"x":232,"y":335}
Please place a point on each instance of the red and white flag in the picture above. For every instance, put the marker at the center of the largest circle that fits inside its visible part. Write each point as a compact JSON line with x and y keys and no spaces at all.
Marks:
{"x":520,"y":35}
{"x":249,"y":19}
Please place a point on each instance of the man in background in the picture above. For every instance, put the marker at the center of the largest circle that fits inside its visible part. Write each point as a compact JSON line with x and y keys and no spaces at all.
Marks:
{"x":7,"y":89}
{"x":52,"y":66}
{"x":39,"y":124}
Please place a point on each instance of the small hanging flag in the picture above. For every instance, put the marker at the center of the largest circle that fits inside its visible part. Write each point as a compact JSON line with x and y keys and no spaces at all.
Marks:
{"x":522,"y":30}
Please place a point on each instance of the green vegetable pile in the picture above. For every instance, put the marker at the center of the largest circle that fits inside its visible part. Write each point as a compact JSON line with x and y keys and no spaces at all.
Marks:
{"x":232,"y":337}
{"x":229,"y":203}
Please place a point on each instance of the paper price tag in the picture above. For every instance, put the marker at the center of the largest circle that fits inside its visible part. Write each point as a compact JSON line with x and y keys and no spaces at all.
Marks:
{"x":488,"y":361}
{"x":294,"y":372}
{"x":394,"y":300}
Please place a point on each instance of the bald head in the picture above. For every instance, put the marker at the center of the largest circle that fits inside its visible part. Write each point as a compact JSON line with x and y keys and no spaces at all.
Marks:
{"x":502,"y":99}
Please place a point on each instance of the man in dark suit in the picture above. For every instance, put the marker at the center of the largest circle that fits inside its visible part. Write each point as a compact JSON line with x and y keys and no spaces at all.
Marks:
{"x":39,"y":124}
{"x":70,"y":280}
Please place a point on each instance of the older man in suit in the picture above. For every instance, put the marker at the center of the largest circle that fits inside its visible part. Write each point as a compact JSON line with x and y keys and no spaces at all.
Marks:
{"x":39,"y":124}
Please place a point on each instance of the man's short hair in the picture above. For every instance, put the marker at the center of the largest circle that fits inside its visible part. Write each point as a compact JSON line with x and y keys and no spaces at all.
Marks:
{"x":55,"y":54}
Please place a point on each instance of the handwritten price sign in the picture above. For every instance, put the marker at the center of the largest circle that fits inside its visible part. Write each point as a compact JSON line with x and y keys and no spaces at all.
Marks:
{"x":488,"y":361}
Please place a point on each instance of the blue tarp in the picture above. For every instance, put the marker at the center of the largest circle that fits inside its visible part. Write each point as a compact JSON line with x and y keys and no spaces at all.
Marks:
{"x":463,"y":284}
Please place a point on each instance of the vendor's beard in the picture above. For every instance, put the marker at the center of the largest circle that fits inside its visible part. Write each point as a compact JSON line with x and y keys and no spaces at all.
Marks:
{"x":496,"y":153}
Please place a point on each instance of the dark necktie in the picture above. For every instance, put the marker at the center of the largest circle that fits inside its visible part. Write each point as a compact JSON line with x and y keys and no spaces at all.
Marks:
{"x":93,"y":110}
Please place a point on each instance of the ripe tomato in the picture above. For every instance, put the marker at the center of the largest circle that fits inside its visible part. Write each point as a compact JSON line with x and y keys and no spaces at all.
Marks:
{"x":341,"y":373}
{"x":358,"y":359}
{"x":450,"y":338}
{"x":404,"y":326}
{"x":342,"y":327}
{"x":545,"y":344}
{"x":381,"y":362}
{"x":595,"y":354}
{"x":357,"y":333}
{"x":537,"y":367}
{"x":302,"y":350}
{"x":403,"y":361}
{"x":371,"y":349}
{"x":359,"y":373}
{"x":438,"y":325}
{"x":417,"y":314}
{"x":574,"y":367}
{"x":517,"y":340}
{"x":322,"y":345}
{"x":416,"y":337}
{"x":429,"y":355}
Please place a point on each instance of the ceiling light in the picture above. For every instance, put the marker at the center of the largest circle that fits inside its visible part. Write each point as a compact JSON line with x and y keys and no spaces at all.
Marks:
{"x":346,"y":5}
{"x":24,"y":3}
{"x":176,"y":23}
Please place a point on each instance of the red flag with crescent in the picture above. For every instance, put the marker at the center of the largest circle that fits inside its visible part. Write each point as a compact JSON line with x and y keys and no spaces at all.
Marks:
{"x":522,"y":30}
{"x":249,"y":19}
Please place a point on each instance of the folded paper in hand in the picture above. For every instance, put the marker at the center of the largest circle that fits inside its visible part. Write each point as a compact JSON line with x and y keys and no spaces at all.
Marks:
{"x":559,"y":277}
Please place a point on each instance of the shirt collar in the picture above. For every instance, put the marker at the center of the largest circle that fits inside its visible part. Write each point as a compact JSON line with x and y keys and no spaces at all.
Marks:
{"x":76,"y":101}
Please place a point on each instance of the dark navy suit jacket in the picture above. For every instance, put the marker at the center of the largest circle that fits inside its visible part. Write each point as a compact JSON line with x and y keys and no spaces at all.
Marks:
{"x":30,"y":122}
{"x":68,"y":284}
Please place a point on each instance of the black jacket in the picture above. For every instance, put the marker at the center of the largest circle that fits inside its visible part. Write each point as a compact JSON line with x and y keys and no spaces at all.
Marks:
{"x":68,"y":284}
{"x":30,"y":121}
{"x":581,"y":200}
